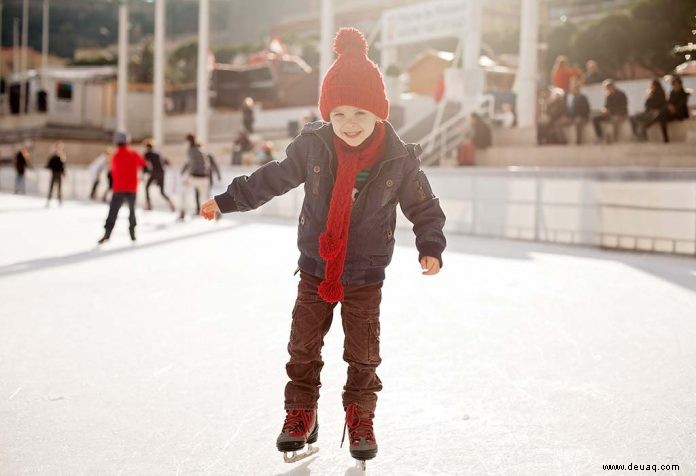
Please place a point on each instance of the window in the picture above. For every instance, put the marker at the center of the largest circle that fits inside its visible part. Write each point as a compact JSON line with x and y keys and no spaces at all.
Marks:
{"x":64,"y":91}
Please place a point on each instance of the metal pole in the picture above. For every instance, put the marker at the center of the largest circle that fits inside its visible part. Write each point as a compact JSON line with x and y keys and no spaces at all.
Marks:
{"x":15,"y":46}
{"x":24,"y":88}
{"x":122,"y":81}
{"x":158,"y":78}
{"x":1,"y":58}
{"x":473,"y":85}
{"x":202,"y":91}
{"x":525,"y":83}
{"x":326,"y":37}
{"x":44,"y":44}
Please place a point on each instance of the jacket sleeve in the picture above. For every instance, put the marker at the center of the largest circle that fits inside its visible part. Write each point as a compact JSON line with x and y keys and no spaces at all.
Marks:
{"x":271,"y":180}
{"x":422,"y":208}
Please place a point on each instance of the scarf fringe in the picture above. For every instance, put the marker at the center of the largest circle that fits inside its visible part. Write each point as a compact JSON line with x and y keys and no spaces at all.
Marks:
{"x":331,"y":291}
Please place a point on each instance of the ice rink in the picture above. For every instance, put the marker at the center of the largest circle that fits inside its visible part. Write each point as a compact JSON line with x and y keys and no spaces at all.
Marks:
{"x":168,"y":356}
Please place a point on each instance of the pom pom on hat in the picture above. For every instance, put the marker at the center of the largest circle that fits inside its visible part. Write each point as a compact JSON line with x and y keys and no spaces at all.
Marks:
{"x":350,"y":40}
{"x":353,"y":79}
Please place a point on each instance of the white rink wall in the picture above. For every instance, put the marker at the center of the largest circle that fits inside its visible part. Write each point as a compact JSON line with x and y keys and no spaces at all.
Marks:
{"x":644,"y":209}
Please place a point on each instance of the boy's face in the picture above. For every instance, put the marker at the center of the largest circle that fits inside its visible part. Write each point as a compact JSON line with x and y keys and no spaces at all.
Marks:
{"x":351,"y":124}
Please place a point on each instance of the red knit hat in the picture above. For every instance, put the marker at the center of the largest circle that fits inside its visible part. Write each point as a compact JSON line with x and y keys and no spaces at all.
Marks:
{"x":353,"y":79}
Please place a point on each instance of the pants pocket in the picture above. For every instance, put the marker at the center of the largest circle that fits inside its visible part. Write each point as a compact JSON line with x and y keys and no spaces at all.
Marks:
{"x":373,"y":329}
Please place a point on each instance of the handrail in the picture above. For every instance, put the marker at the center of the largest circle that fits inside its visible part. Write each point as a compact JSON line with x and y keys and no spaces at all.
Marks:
{"x":447,"y":130}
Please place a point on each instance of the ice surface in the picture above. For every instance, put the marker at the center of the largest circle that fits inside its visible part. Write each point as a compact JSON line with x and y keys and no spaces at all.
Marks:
{"x":168,"y":357}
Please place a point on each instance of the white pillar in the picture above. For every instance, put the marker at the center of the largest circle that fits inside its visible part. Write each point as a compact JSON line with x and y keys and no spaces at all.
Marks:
{"x":202,"y":91}
{"x":389,"y":53}
{"x":526,"y":80}
{"x":473,"y":76}
{"x":44,"y":45}
{"x":327,"y":34}
{"x":158,"y":77}
{"x":1,"y":49}
{"x":24,"y":89}
{"x":122,"y":81}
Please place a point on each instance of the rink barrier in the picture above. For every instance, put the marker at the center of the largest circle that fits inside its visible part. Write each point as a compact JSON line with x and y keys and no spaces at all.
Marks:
{"x":640,"y":209}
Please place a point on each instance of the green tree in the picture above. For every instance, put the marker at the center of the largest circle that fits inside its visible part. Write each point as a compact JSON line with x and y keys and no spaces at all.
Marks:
{"x":659,"y":26}
{"x":183,"y":63}
{"x":610,"y":42}
{"x":141,"y":68}
{"x":645,"y":37}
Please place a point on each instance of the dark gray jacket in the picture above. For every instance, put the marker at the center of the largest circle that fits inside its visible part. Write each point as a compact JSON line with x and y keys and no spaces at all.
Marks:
{"x":197,"y":164}
{"x":396,"y":178}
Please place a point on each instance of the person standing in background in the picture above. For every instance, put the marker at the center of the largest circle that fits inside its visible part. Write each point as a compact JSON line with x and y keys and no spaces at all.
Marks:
{"x":56,"y":164}
{"x":592,"y":73}
{"x":124,"y":170}
{"x":248,"y":115}
{"x":563,"y":72}
{"x":21,"y":163}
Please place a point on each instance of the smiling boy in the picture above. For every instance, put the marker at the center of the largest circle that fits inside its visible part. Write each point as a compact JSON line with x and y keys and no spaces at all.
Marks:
{"x":355,"y":170}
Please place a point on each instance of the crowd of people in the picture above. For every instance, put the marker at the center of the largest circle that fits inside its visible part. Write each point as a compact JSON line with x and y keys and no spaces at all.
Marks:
{"x":563,"y":104}
{"x":116,"y":173}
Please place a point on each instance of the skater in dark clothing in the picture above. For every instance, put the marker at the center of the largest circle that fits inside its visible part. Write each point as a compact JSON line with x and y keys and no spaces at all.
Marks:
{"x":124,"y":169}
{"x":155,"y":167}
{"x":56,"y":164}
{"x":21,"y":164}
{"x":355,"y":170}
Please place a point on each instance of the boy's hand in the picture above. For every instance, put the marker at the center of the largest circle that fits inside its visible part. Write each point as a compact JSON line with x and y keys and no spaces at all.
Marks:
{"x":209,"y":209}
{"x":430,"y":265}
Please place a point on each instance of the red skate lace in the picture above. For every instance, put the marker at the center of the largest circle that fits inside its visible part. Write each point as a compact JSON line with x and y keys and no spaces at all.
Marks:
{"x":358,"y":427}
{"x":298,"y":421}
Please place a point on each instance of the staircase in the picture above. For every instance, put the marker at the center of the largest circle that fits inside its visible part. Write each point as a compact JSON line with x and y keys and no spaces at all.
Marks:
{"x":441,"y":132}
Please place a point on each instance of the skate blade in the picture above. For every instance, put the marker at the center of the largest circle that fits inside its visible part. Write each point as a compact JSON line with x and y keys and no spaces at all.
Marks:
{"x":300,"y":456}
{"x":360,"y":465}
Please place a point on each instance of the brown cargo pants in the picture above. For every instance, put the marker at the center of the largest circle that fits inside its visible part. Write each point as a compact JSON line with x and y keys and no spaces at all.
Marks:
{"x":311,"y":320}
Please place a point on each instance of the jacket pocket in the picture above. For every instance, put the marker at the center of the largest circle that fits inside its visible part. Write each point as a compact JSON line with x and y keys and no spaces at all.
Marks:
{"x":390,"y":185}
{"x":315,"y":173}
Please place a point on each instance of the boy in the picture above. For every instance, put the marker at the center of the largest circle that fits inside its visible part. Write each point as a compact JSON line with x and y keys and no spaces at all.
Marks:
{"x":355,"y":170}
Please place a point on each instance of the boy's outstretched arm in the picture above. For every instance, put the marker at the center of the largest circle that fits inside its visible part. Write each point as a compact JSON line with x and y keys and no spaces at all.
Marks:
{"x":248,"y":192}
{"x":422,"y":208}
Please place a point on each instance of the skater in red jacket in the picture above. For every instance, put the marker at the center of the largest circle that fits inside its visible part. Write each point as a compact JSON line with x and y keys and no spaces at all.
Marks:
{"x":355,"y":170}
{"x":124,"y":169}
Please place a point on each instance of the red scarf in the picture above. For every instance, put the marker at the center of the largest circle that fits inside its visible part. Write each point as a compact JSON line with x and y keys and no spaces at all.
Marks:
{"x":333,"y":243}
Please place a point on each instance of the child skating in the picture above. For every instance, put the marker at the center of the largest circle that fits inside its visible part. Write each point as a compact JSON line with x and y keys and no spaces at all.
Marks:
{"x":355,"y":170}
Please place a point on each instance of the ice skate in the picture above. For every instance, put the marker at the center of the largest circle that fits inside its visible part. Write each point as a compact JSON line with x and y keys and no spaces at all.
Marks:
{"x":363,"y":444}
{"x":300,"y":428}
